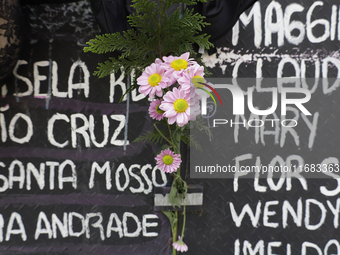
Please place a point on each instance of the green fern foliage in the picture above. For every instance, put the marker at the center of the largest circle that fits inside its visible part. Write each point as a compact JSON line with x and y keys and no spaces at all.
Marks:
{"x":153,"y":34}
{"x":150,"y":136}
{"x":157,"y":136}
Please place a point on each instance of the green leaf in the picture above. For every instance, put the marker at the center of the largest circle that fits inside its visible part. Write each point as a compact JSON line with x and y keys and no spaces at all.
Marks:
{"x":195,"y":143}
{"x":150,"y":136}
{"x":200,"y":124}
{"x":184,"y":189}
{"x":178,"y":191}
{"x":174,"y":195}
{"x":172,"y":218}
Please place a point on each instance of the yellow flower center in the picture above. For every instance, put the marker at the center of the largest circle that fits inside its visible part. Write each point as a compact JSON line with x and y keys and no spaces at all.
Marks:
{"x":179,"y":64}
{"x":180,"y":105}
{"x":158,"y":110}
{"x":154,"y":79}
{"x":197,"y":81}
{"x":167,"y":159}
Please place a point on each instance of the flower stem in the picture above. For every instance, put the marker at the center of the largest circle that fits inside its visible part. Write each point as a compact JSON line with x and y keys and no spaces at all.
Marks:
{"x":161,"y":134}
{"x":170,"y":134}
{"x":174,"y":233}
{"x":184,"y":219}
{"x":176,"y":146}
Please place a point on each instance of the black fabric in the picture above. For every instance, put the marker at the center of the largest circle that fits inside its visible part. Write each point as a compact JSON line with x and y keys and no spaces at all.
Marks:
{"x":222,"y":15}
{"x":111,"y":15}
{"x":47,"y":1}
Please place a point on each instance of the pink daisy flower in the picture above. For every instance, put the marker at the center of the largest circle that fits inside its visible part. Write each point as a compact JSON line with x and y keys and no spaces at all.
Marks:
{"x":158,"y":61}
{"x":192,"y":77}
{"x":195,"y":108}
{"x":153,"y":80}
{"x":176,"y":65}
{"x":180,"y":245}
{"x":168,"y":161}
{"x":154,"y":110}
{"x":176,"y":106}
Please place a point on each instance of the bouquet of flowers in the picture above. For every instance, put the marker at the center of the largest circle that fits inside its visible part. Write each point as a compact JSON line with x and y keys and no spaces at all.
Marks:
{"x":159,"y":51}
{"x":172,"y":84}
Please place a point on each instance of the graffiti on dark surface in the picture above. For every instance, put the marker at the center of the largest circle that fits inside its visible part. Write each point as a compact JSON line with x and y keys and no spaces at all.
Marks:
{"x":72,"y":180}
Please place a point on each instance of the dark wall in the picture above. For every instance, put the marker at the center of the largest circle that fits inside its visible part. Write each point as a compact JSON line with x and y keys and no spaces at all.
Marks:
{"x":69,"y":170}
{"x":66,"y":155}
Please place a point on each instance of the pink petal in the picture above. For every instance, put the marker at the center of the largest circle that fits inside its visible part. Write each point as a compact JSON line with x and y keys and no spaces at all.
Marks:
{"x":180,"y":118}
{"x":144,"y":90}
{"x":171,"y":120}
{"x":185,"y":55}
{"x":159,"y":92}
{"x":170,"y":113}
{"x":158,"y":61}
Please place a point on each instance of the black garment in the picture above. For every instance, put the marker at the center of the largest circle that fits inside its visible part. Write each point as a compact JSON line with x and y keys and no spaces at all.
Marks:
{"x":47,"y":1}
{"x":111,"y":15}
{"x":222,"y":15}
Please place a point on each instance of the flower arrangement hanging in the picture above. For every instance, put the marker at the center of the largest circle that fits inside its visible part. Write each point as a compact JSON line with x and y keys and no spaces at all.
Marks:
{"x":173,"y":84}
{"x":158,"y":50}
